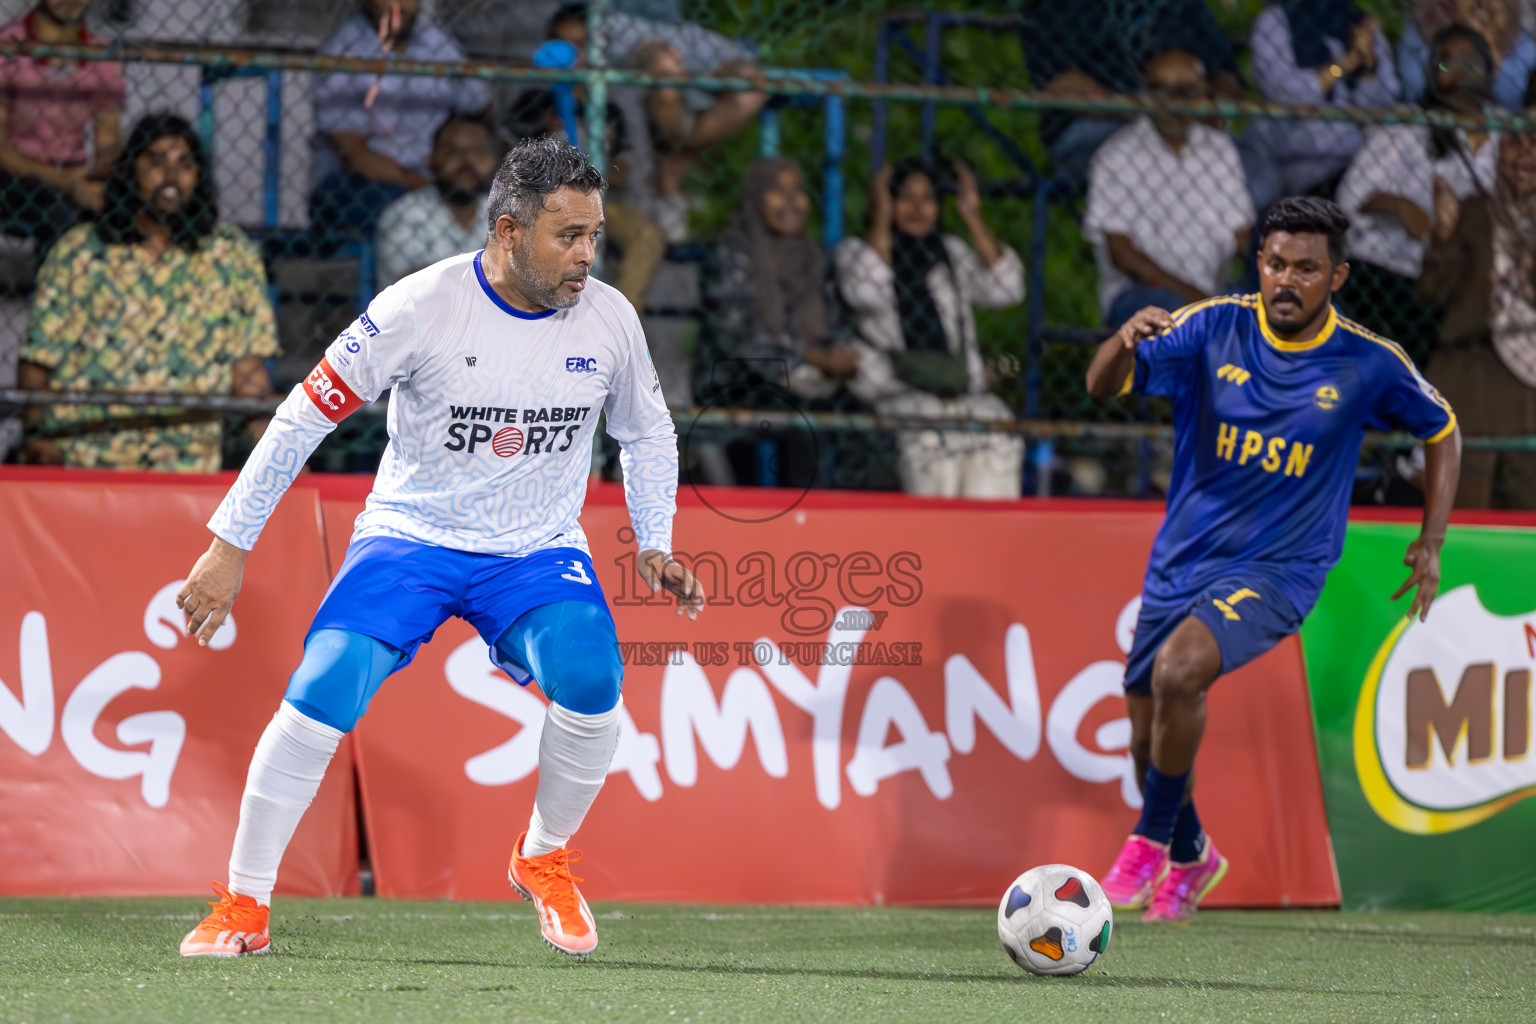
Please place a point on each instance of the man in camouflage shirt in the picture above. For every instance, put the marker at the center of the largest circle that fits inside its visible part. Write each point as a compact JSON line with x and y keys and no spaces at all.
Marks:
{"x":156,"y":296}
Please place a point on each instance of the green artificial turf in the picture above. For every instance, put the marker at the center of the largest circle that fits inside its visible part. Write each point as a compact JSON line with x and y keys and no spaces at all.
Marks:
{"x":379,"y":961}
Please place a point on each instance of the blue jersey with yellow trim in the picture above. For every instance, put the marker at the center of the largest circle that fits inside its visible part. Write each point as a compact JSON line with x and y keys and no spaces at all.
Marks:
{"x":1267,"y":434}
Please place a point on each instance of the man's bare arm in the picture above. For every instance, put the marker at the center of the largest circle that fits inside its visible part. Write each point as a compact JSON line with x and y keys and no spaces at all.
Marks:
{"x":1115,"y":360}
{"x":1442,"y":473}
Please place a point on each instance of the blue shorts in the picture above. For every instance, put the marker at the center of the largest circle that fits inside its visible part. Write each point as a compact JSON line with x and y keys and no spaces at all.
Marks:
{"x":1246,"y":612}
{"x":399,"y":592}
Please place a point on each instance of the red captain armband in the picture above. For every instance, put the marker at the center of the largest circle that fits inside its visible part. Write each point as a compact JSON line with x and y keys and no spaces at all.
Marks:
{"x":330,"y":393}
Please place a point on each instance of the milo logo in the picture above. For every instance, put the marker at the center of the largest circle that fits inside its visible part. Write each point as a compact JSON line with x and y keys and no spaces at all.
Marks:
{"x":1442,"y":735}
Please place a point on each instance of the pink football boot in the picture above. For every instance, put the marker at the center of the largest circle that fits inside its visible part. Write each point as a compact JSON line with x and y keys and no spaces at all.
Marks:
{"x":1185,"y":885}
{"x":1140,"y":866}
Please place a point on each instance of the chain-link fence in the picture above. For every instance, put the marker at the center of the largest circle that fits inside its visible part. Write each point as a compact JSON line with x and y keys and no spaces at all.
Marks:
{"x":859,"y":218}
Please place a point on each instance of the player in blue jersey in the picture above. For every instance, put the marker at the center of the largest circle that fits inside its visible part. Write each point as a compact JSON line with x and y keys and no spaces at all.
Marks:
{"x":1272,"y":395}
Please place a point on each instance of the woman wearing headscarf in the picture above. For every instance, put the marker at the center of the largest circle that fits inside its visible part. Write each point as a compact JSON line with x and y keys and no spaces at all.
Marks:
{"x":911,"y":290}
{"x":765,"y":340}
{"x":1318,"y":53}
{"x":765,"y":311}
{"x":1497,"y":21}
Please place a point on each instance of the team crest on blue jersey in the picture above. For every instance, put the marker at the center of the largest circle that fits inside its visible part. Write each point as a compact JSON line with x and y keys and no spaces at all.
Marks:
{"x":581,"y":364}
{"x":1327,"y":397}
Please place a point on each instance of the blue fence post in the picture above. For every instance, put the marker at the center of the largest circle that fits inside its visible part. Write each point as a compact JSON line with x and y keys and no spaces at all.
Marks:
{"x":932,"y":73}
{"x":1036,"y":298}
{"x":835,"y":143}
{"x":768,"y":132}
{"x":206,"y":122}
{"x":1044,"y":455}
{"x":597,"y":85}
{"x":882,"y":70}
{"x":767,"y":462}
{"x":366,"y":273}
{"x":271,"y":179}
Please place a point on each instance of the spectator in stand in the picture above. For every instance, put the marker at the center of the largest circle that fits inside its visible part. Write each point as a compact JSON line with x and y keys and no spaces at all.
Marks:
{"x":1168,"y":204}
{"x":1497,"y":21}
{"x":764,"y":304}
{"x":639,"y":241}
{"x":375,"y":132}
{"x":1093,"y":49}
{"x":156,"y":296}
{"x":680,"y":131}
{"x":680,"y":123}
{"x":1318,"y":53}
{"x":47,"y":175}
{"x":446,"y":217}
{"x":1389,"y":192}
{"x":765,"y":320}
{"x":632,"y":23}
{"x":1480,"y":266}
{"x":911,"y":289}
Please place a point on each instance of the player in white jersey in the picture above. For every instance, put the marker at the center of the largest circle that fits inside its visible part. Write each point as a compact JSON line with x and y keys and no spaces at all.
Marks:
{"x":500,"y":362}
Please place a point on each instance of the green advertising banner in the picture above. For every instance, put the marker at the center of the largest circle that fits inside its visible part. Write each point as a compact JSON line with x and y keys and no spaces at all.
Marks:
{"x":1424,"y":729}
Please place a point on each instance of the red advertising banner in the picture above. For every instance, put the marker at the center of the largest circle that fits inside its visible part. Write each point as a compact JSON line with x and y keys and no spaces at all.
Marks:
{"x":886,"y":701}
{"x":123,"y":745}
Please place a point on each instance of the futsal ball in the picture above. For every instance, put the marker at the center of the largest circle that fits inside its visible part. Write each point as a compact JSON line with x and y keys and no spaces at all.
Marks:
{"x":1054,"y":919}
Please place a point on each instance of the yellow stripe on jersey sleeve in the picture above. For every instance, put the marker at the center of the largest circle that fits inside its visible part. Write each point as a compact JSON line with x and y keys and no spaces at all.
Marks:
{"x":1184,"y":313}
{"x":1386,"y":343}
{"x":1403,"y":357}
{"x":1443,"y":433}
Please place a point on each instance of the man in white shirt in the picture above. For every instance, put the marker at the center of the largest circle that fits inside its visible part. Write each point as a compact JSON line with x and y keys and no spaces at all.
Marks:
{"x":1389,"y":190}
{"x":499,"y":371}
{"x":375,"y":131}
{"x":447,"y":217}
{"x":1168,"y":203}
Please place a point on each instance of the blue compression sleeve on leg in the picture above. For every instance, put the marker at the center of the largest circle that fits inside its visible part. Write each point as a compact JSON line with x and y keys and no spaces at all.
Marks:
{"x":571,"y":649}
{"x":339,"y":675}
{"x":1161,"y":800}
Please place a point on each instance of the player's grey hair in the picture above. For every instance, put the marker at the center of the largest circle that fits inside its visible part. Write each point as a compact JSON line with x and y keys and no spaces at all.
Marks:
{"x":533,"y":171}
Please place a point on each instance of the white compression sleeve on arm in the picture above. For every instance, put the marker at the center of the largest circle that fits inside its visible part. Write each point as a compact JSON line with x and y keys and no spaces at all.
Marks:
{"x":575,"y":751}
{"x":285,"y":775}
{"x":637,"y":417}
{"x":290,"y":439}
{"x":650,"y":486}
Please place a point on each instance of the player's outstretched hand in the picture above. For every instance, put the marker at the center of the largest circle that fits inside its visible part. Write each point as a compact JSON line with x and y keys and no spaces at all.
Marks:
{"x":210,"y":590}
{"x":1423,"y":558}
{"x":1147,"y":323}
{"x":659,"y":570}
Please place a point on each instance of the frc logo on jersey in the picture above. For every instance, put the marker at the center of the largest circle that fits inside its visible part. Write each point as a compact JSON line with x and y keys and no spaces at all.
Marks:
{"x":329,"y":392}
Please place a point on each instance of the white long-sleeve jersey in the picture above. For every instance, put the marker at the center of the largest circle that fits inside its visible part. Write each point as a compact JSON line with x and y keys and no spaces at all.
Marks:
{"x":491,"y":421}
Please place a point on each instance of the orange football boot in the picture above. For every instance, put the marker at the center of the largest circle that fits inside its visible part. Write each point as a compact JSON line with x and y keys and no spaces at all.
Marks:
{"x":564,"y":917}
{"x":236,"y":927}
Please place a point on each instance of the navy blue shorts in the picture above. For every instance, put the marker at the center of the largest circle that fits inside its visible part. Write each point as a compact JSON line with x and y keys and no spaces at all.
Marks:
{"x":1246,"y":612}
{"x":399,"y":591}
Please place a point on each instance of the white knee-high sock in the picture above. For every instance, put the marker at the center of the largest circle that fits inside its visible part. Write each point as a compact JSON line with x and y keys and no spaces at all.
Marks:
{"x":574,"y":754}
{"x":285,"y":774}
